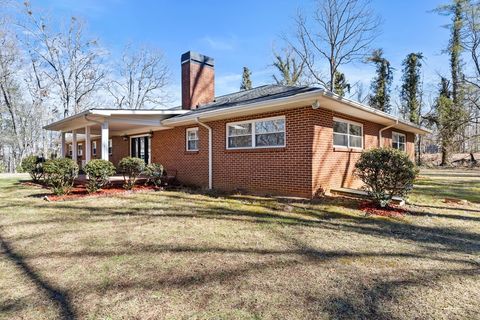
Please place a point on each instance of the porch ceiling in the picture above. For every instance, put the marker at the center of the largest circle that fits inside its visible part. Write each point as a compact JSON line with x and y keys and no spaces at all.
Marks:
{"x":120,"y":122}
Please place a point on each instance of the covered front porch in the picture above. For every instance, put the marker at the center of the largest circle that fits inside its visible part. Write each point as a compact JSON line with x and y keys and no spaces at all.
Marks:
{"x":109,"y":134}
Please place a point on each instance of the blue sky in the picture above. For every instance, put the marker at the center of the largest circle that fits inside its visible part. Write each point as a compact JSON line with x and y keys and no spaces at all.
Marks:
{"x":243,"y":33}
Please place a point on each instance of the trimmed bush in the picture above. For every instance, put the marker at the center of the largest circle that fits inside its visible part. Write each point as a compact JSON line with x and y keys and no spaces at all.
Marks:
{"x":154,"y":172}
{"x":33,"y":165}
{"x":98,"y":172}
{"x":131,"y":168}
{"x":386,"y":173}
{"x":60,"y":174}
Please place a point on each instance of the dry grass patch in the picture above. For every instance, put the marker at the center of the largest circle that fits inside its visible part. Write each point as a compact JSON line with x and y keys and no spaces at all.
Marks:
{"x":178,"y":255}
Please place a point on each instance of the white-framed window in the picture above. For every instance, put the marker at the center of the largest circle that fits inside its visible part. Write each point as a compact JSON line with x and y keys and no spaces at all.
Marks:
{"x":258,"y":133}
{"x":347,"y":134}
{"x":79,"y":149}
{"x":192,"y":139}
{"x":399,"y":141}
{"x":94,"y":148}
{"x":110,"y":146}
{"x":70,"y":150}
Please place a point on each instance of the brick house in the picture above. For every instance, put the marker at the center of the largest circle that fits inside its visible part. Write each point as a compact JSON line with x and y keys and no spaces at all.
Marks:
{"x":272,"y":139}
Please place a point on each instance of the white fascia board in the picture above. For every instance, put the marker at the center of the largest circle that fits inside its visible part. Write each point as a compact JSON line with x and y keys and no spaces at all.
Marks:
{"x":263,"y":106}
{"x":310,"y":97}
{"x":109,"y":112}
{"x":52,"y":125}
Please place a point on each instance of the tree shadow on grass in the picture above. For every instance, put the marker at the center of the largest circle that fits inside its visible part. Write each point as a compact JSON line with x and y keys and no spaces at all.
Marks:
{"x":60,"y":298}
{"x":368,"y":301}
{"x":450,"y":238}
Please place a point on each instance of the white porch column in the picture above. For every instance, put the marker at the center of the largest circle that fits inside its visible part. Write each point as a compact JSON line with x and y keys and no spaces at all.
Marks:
{"x":63,"y":147}
{"x":105,"y":140}
{"x":88,"y":145}
{"x":74,"y":145}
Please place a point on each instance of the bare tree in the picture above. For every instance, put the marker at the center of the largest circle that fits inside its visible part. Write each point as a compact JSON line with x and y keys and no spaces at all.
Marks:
{"x":339,"y":32}
{"x":20,"y":117}
{"x":71,"y":62}
{"x":141,"y":79}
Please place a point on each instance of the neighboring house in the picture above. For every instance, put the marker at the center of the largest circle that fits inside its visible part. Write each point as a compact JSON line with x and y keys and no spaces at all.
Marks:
{"x":295,"y":141}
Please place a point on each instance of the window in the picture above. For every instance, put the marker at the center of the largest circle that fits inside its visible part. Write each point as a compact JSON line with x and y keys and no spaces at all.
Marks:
{"x":70,"y":150}
{"x":262,"y":133}
{"x":398,"y":141}
{"x":347,"y":134}
{"x":79,"y":149}
{"x":94,"y":148}
{"x":192,"y":139}
{"x":110,"y":147}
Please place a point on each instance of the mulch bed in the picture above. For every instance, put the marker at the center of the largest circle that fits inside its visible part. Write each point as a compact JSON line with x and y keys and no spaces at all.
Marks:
{"x":79,"y":191}
{"x":391,"y":211}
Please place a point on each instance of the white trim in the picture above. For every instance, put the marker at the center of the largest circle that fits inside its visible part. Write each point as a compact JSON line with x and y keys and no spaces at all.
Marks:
{"x":324,"y":97}
{"x":253,"y":133}
{"x":400,"y":135}
{"x":349,"y":122}
{"x":94,"y":148}
{"x":187,"y":130}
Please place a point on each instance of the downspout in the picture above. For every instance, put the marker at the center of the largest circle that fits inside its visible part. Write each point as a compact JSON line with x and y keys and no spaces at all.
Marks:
{"x":383,"y":129}
{"x":210,"y":166}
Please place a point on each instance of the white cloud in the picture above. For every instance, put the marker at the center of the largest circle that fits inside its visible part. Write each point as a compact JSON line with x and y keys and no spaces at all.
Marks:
{"x":223,"y":44}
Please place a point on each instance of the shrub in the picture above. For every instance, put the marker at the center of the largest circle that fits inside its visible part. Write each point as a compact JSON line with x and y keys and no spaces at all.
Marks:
{"x":386,"y":173}
{"x":60,"y":174}
{"x":98,"y":172}
{"x":155,"y":173}
{"x":33,"y":165}
{"x":131,"y":168}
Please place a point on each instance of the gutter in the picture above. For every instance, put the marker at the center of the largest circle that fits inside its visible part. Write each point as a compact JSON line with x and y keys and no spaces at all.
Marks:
{"x":380,"y":138}
{"x":210,"y":153}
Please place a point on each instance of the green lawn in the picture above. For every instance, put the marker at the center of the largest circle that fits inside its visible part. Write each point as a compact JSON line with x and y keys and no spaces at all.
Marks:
{"x":180,"y":255}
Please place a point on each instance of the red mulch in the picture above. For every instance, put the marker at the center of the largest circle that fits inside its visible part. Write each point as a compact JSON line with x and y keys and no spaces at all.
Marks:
{"x":79,"y":191}
{"x":391,"y":211}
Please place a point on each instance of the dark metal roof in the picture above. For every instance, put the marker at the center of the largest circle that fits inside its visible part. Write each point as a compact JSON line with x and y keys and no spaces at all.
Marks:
{"x":258,"y":94}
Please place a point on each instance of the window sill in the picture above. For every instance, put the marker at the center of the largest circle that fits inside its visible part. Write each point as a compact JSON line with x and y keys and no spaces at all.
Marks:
{"x":347,"y":149}
{"x":191,"y":152}
{"x":256,"y":150}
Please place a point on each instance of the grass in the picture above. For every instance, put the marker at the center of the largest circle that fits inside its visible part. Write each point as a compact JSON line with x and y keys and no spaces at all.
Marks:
{"x":181,"y":255}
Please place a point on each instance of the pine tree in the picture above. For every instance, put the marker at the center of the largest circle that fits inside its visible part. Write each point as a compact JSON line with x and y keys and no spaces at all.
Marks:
{"x":341,"y":86}
{"x":380,"y":97}
{"x":410,"y":91}
{"x":246,"y":82}
{"x":454,"y":110}
{"x":410,"y":94}
{"x":291,"y":71}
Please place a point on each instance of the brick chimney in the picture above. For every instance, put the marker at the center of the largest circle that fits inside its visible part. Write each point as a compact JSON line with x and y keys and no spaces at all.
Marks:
{"x":198,"y":80}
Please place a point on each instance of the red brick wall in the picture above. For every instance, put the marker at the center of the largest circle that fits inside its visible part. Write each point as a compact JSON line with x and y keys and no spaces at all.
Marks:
{"x":333,"y":167}
{"x":169,"y":149}
{"x":307,"y":163}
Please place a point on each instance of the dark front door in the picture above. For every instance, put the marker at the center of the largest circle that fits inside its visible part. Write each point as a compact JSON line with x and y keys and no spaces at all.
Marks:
{"x":140,"y":148}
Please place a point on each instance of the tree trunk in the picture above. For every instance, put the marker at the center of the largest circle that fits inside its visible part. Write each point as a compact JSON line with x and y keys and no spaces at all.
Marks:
{"x":419,"y":150}
{"x":445,"y":156}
